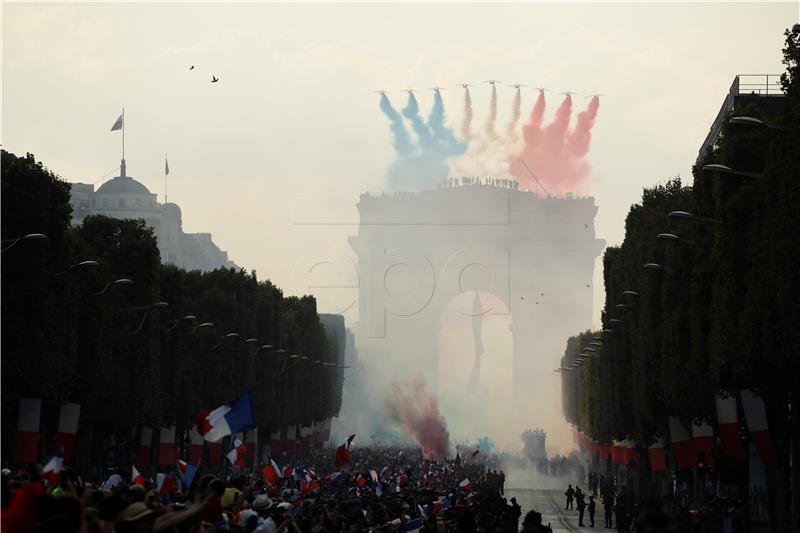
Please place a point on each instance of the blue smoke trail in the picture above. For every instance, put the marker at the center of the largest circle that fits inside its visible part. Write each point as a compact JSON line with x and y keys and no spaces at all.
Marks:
{"x":421,"y":165}
{"x":447,"y":140}
{"x":401,"y":140}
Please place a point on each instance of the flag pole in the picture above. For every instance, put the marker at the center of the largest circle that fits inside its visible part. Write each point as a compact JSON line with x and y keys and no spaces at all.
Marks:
{"x":123,"y":134}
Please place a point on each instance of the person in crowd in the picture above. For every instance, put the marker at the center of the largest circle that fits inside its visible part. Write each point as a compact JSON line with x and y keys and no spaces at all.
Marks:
{"x":580,"y":503}
{"x":533,"y":523}
{"x":570,"y":493}
{"x":592,"y":508}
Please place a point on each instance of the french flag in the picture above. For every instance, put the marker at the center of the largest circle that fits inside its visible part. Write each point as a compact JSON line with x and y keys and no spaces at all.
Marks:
{"x":272,"y":472}
{"x":164,"y":485}
{"x":52,"y":470}
{"x":703,"y":441}
{"x":288,"y":471}
{"x":728,"y":420}
{"x":756,"y":417}
{"x":343,"y":451}
{"x":681,"y":444}
{"x":189,"y":470}
{"x":333,"y":479}
{"x":658,"y":460}
{"x":465,"y":484}
{"x":236,"y":455}
{"x":233,"y":417}
{"x":181,"y":465}
{"x":136,"y":477}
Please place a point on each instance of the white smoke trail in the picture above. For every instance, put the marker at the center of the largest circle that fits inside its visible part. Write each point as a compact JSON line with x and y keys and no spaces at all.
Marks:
{"x":516,"y":111}
{"x":466,"y":125}
{"x":490,"y":128}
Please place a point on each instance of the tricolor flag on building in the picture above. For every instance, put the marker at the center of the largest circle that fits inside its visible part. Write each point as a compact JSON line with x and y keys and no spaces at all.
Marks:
{"x":658,"y":459}
{"x":681,"y":443}
{"x":756,"y":417}
{"x":728,"y":420}
{"x":233,"y":417}
{"x":119,"y":123}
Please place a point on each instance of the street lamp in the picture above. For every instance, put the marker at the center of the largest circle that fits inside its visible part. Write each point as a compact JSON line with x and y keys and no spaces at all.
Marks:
{"x":204,"y":325}
{"x":77,"y":265}
{"x":116,"y":282}
{"x":686,"y":215}
{"x":179,"y":320}
{"x":156,"y":305}
{"x":723,"y":169}
{"x":752,"y":122}
{"x":672,"y":237}
{"x":28,"y":237}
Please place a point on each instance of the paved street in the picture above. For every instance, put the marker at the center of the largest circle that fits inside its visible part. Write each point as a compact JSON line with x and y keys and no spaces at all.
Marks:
{"x":550,"y":503}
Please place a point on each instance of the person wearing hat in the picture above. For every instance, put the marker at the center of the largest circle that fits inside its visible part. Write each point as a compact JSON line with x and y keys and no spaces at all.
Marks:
{"x":135,"y":518}
{"x":263,"y":505}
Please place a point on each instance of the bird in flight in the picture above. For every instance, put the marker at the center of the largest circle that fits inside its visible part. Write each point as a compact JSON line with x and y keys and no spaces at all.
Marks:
{"x":214,"y":79}
{"x":586,"y":226}
{"x":191,"y":67}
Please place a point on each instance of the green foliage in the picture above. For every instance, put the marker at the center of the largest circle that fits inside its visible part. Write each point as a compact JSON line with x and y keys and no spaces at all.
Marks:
{"x":722,"y":314}
{"x":127,"y":362}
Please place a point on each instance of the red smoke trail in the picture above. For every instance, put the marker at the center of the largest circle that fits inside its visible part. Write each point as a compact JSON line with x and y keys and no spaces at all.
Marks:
{"x":555,"y":154}
{"x":532,"y":131}
{"x":411,"y":406}
{"x":581,"y":136}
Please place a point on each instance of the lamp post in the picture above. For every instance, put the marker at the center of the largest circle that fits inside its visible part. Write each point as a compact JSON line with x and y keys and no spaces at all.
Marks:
{"x":115,"y":283}
{"x":672,"y":238}
{"x":204,"y":326}
{"x":147,"y":308}
{"x":71,"y":268}
{"x":187,"y":318}
{"x":29,"y":237}
{"x":723,"y":169}
{"x":752,"y":122}
{"x":686,"y":215}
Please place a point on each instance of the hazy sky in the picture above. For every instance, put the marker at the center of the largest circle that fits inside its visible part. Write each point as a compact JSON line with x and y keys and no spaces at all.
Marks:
{"x":292,"y":133}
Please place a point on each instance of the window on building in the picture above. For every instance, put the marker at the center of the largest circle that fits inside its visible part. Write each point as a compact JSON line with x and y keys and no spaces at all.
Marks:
{"x":105,"y":202}
{"x":122,"y":202}
{"x":138,"y":202}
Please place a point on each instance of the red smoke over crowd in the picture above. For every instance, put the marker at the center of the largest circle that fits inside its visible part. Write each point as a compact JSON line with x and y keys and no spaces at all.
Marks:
{"x":553,"y":152}
{"x":414,"y":409}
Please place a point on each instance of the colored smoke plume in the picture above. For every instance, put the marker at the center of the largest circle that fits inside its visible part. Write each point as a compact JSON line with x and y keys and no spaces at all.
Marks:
{"x":491,"y":131}
{"x":516,"y":112}
{"x":415,"y":411}
{"x":421,"y":162}
{"x":466,"y":124}
{"x":555,"y":154}
{"x":401,"y":140}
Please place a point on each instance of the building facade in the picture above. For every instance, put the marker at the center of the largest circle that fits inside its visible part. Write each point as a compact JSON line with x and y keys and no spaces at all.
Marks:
{"x":125,"y":197}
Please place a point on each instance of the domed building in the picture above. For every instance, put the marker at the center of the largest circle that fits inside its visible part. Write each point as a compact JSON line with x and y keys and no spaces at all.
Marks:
{"x":125,"y":197}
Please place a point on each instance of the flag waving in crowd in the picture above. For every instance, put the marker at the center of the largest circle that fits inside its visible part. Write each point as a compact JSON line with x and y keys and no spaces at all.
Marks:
{"x":233,"y":417}
{"x":343,"y":451}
